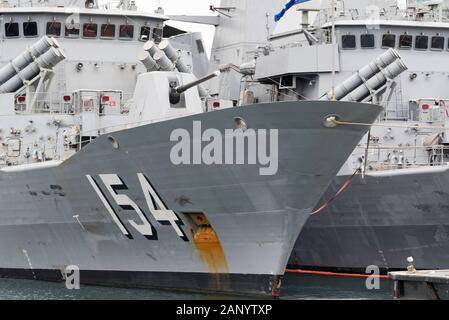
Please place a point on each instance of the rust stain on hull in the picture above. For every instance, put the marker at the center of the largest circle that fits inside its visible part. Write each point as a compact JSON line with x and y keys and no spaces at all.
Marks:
{"x":208,"y":244}
{"x":210,"y":250}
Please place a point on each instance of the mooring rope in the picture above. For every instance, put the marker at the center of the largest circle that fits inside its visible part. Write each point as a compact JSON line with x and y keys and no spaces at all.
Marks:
{"x":337,"y":274}
{"x":330,"y":200}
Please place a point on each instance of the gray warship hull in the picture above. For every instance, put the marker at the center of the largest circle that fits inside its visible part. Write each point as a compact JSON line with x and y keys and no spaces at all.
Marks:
{"x":380,"y":220}
{"x":238,"y":227}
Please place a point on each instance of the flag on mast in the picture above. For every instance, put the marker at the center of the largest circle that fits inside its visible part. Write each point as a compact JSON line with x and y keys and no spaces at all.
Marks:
{"x":287,"y":7}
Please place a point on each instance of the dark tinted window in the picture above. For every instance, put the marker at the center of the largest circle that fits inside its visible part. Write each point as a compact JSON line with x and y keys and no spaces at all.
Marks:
{"x":199,"y":46}
{"x":287,"y":81}
{"x":405,"y":41}
{"x":157,"y":35}
{"x":367,"y":41}
{"x":11,"y":29}
{"x":388,"y":40}
{"x":126,"y":31}
{"x":30,"y":29}
{"x":90,"y":30}
{"x":437,"y":43}
{"x":145,"y":33}
{"x":348,"y":42}
{"x":72,"y":30}
{"x":108,"y":30}
{"x":422,"y":42}
{"x":54,"y":29}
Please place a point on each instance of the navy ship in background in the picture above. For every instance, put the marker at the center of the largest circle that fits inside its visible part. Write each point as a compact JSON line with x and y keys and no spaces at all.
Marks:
{"x":396,"y":205}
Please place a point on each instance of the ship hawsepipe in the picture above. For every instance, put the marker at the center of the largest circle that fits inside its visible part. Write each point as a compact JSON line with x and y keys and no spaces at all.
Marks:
{"x":237,"y":227}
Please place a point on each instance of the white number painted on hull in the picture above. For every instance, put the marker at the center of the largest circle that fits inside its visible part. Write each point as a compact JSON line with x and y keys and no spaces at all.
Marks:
{"x":114,"y":183}
{"x":108,"y":206}
{"x":163,"y":215}
{"x":156,"y":206}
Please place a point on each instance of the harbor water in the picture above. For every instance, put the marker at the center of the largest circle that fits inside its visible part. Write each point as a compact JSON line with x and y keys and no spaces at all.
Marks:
{"x":296,"y":287}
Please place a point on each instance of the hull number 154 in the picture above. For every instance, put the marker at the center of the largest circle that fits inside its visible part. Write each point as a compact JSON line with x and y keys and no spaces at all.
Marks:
{"x":156,"y":206}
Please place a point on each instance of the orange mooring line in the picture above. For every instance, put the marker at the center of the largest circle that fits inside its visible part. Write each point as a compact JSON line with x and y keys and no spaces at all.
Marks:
{"x":340,"y":191}
{"x":336,"y":274}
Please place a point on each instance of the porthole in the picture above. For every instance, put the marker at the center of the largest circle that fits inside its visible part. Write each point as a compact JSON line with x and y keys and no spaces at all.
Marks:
{"x":113,"y":142}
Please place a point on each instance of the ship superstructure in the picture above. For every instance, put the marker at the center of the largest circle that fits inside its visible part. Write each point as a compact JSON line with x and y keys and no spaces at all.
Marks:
{"x":98,"y":40}
{"x":363,"y":30}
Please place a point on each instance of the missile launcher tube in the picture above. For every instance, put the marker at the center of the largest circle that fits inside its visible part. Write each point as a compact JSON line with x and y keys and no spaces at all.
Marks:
{"x":47,"y":61}
{"x":173,"y":55}
{"x":367,"y":72}
{"x":151,"y":48}
{"x":163,"y":61}
{"x":25,"y":58}
{"x":376,"y":82}
{"x":166,"y":58}
{"x":148,"y":61}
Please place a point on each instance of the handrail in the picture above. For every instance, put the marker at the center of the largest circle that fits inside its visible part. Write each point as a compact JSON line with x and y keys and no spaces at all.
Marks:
{"x":374,"y":147}
{"x":53,"y":103}
{"x":400,"y":157}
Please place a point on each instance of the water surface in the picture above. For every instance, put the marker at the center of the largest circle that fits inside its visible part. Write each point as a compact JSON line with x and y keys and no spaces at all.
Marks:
{"x":295,"y":287}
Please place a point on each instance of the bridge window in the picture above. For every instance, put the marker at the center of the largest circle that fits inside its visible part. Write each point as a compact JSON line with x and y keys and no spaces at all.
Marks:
{"x":437,"y":43}
{"x":72,"y":30}
{"x":389,"y":40}
{"x":145,"y":33}
{"x":90,"y":30}
{"x":157,"y":35}
{"x":30,"y":29}
{"x":11,"y":30}
{"x":422,"y":42}
{"x":367,"y":41}
{"x":405,"y":41}
{"x":108,"y":31}
{"x":126,"y":31}
{"x":54,"y":29}
{"x":199,"y":46}
{"x":348,"y":41}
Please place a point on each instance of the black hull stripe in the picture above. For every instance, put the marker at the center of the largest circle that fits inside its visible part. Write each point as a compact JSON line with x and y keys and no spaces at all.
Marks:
{"x":233,"y":284}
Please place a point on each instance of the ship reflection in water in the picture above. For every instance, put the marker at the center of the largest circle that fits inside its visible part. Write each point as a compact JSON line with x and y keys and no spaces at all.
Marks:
{"x":296,"y":287}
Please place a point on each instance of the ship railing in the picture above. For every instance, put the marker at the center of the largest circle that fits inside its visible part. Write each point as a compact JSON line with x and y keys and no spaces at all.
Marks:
{"x":63,"y":104}
{"x":409,"y":113}
{"x":112,"y":5}
{"x":389,"y":157}
{"x":392,"y":13}
{"x":92,"y":134}
{"x":289,"y":45}
{"x":29,"y":153}
{"x":130,"y":125}
{"x":400,"y":113}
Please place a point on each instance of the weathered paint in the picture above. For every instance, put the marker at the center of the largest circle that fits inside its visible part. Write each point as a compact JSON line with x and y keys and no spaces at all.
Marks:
{"x":208,"y":245}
